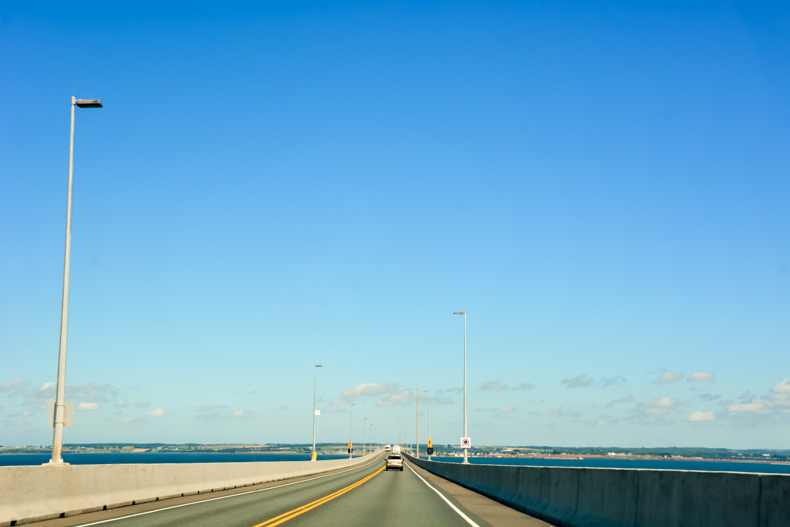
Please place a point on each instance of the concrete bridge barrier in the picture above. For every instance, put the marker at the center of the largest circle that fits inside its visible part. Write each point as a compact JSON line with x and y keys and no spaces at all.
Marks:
{"x":35,"y":493}
{"x":590,"y":497}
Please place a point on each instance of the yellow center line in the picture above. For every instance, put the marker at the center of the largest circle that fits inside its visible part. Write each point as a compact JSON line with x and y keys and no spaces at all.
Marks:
{"x":282,"y":518}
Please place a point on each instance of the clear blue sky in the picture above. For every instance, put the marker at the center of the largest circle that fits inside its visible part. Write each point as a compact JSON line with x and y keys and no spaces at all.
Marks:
{"x":272,"y":185}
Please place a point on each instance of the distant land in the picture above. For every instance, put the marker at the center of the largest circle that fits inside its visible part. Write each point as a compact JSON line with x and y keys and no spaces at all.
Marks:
{"x":719,"y":454}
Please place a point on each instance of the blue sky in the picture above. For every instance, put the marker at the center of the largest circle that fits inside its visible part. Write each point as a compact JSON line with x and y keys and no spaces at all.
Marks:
{"x":273,"y":185}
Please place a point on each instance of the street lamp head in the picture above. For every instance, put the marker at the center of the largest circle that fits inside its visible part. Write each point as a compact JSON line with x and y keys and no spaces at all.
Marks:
{"x":459,"y":312}
{"x":88,"y":103}
{"x":318,"y":365}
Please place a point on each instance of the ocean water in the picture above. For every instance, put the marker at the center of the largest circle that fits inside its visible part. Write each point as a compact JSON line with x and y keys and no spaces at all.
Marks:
{"x":655,"y":464}
{"x":159,"y":457}
{"x":211,"y":457}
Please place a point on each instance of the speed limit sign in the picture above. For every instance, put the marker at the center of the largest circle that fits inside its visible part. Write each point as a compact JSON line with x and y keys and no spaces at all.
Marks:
{"x":466,"y":442}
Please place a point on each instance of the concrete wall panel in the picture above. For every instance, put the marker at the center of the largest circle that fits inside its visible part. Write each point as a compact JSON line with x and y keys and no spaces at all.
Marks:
{"x":50,"y":491}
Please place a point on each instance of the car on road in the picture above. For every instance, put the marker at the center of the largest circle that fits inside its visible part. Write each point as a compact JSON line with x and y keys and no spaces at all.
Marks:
{"x":394,"y":462}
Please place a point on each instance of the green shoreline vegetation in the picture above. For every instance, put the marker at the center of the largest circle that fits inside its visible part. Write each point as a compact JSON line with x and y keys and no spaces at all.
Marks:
{"x":717,"y":454}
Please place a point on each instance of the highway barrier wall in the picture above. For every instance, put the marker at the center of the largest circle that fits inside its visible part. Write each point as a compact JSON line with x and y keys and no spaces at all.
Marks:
{"x":590,"y":497}
{"x":34,"y":493}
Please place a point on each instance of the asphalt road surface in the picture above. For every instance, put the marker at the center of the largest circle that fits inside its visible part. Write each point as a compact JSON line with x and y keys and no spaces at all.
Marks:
{"x":362,"y":496}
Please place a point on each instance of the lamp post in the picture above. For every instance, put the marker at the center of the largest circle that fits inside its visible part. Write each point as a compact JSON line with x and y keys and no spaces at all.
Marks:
{"x":364,"y":445}
{"x":429,"y":418}
{"x":60,"y":404}
{"x":313,"y":455}
{"x":417,"y":451}
{"x":350,"y":447}
{"x":466,"y":459}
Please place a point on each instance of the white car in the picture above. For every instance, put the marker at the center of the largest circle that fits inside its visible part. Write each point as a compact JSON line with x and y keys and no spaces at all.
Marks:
{"x":394,"y":462}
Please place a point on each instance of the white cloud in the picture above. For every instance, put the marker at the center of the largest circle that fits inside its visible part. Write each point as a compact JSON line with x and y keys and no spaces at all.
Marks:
{"x":493,"y":386}
{"x":660,"y":406}
{"x":47,"y":386}
{"x":782,"y":387}
{"x":88,"y":406}
{"x":579,"y":381}
{"x":702,"y":416}
{"x":507,"y":410}
{"x":670,"y":376}
{"x":758,"y":406}
{"x":701,"y":376}
{"x":780,"y":395}
{"x":388,"y":394}
{"x":13,"y":387}
{"x":157,"y":413}
{"x":525,"y":386}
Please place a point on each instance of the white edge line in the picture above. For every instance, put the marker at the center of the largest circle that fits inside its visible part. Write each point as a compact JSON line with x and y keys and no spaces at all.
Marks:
{"x":456,"y":509}
{"x":215,"y":499}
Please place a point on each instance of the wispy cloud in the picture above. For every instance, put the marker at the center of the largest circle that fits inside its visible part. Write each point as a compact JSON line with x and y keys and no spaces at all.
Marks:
{"x":612,"y":381}
{"x":660,"y":406}
{"x":493,"y":386}
{"x":88,"y":406}
{"x":701,"y":376}
{"x":157,"y":413}
{"x":758,"y":406}
{"x":580,"y":381}
{"x":775,"y":402}
{"x":628,"y":399}
{"x":14,"y":387}
{"x":670,"y":376}
{"x":385,"y":394}
{"x":525,"y":386}
{"x":702,"y":416}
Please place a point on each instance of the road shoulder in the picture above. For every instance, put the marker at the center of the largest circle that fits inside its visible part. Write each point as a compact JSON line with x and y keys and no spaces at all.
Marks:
{"x":491,"y":512}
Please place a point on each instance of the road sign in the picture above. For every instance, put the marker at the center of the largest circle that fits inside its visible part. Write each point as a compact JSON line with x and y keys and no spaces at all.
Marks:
{"x":430,"y":443}
{"x":466,"y":442}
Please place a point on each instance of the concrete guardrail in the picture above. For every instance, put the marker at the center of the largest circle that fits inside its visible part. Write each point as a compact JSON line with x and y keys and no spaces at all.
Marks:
{"x":41,"y":492}
{"x":589,"y":497}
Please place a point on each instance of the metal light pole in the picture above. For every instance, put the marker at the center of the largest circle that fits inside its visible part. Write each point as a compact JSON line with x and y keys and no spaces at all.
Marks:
{"x":429,"y":418}
{"x":60,"y":404}
{"x":350,"y":447}
{"x":364,"y":446}
{"x":313,"y":455}
{"x":466,"y":459}
{"x":417,"y":452}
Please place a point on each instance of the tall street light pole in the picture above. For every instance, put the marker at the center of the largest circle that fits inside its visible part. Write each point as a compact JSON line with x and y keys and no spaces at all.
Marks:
{"x":417,"y":452}
{"x":350,"y":446}
{"x":364,"y":445}
{"x":60,"y":404}
{"x":466,"y":459}
{"x":313,"y":455}
{"x":429,"y":419}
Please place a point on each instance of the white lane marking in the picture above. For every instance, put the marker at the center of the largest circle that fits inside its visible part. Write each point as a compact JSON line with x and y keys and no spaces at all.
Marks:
{"x":456,"y":509}
{"x":219,"y":498}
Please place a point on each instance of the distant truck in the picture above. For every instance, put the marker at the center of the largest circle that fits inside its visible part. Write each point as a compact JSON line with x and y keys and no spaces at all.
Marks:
{"x":396,"y":450}
{"x":387,"y":448}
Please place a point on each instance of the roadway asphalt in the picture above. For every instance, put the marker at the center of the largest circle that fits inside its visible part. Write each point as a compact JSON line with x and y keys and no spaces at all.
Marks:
{"x":362,"y":496}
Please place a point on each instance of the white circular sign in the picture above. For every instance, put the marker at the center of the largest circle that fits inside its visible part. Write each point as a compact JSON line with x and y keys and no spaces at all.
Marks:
{"x":466,"y":442}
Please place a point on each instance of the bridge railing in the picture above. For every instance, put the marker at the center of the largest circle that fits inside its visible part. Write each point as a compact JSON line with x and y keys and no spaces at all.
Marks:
{"x":34,"y":493}
{"x":584,"y":497}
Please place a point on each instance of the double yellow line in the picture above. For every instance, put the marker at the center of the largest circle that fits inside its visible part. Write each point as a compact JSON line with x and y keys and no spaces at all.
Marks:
{"x":282,"y":518}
